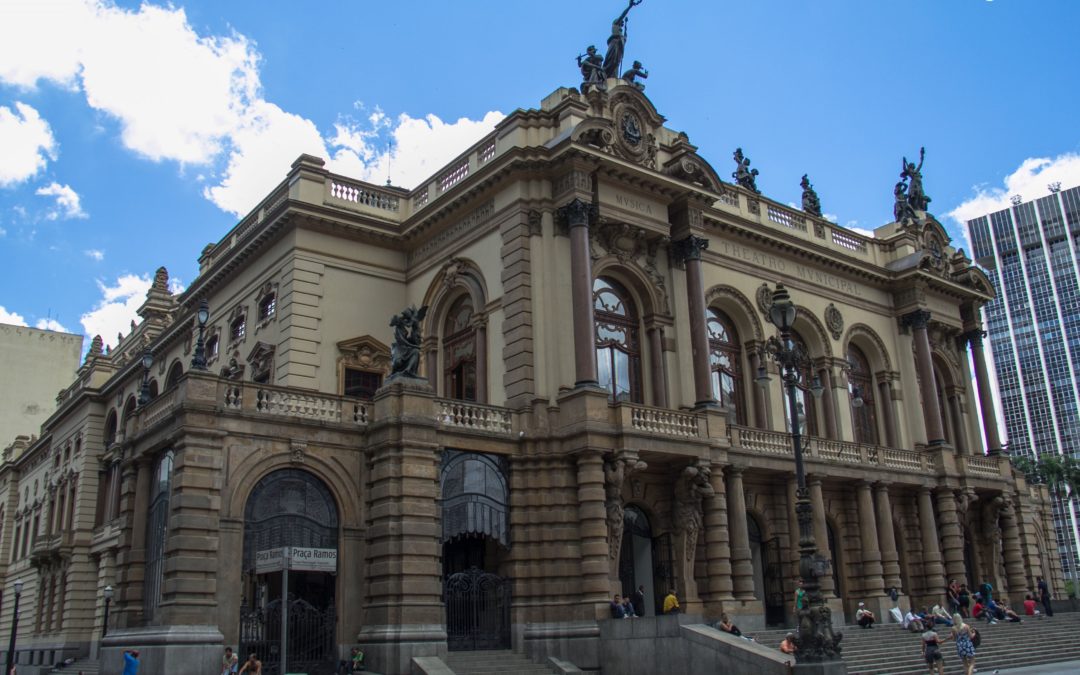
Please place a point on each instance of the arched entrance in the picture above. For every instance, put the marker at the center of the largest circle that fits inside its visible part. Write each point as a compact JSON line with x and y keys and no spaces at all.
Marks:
{"x":768,"y":572}
{"x":636,"y":563}
{"x":290,"y":554}
{"x":475,"y":537}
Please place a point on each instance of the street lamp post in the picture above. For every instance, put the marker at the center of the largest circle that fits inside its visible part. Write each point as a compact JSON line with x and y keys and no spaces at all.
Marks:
{"x":14,"y":627}
{"x":198,"y":361}
{"x":147,"y":361}
{"x":108,"y":593}
{"x":818,"y":646}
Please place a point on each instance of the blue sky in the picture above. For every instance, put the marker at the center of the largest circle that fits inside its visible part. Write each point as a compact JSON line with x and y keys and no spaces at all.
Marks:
{"x":131,"y":135}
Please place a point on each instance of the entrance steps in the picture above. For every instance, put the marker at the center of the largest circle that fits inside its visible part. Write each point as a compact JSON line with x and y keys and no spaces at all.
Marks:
{"x":889,"y":650}
{"x":84,"y":666}
{"x":494,"y":662}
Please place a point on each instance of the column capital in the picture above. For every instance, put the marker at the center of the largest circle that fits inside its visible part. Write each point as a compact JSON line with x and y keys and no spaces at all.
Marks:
{"x":864,"y":483}
{"x":576,"y":213}
{"x":734,"y":470}
{"x":882,"y":485}
{"x":971,"y":337}
{"x":689,"y":248}
{"x":917,"y":319}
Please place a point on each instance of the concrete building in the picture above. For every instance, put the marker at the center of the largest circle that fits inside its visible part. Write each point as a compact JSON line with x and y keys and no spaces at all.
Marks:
{"x":36,"y":364}
{"x":1030,"y":253}
{"x":590,"y":421}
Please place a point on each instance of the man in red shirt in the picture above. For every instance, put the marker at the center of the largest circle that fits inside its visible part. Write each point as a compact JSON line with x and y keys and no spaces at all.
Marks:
{"x":1029,"y":606}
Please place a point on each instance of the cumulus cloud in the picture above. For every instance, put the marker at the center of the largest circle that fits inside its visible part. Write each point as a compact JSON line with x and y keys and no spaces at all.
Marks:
{"x":117,"y":308}
{"x":50,"y":324}
{"x":11,"y":318}
{"x":68,"y":204}
{"x":95,"y":254}
{"x":1030,"y":180}
{"x":26,"y":140}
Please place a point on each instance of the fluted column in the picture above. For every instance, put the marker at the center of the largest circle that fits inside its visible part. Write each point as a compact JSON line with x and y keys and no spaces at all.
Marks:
{"x":933,"y":579}
{"x":821,"y":531}
{"x":742,"y":566}
{"x":659,"y":371}
{"x":717,"y":542}
{"x":689,"y":251}
{"x":592,"y":526}
{"x":1014,"y":557}
{"x":952,"y":537}
{"x":576,"y":215}
{"x":828,"y":407}
{"x":935,"y":433}
{"x":986,"y":398}
{"x":888,"y":412}
{"x":890,"y":560}
{"x":871,"y":568}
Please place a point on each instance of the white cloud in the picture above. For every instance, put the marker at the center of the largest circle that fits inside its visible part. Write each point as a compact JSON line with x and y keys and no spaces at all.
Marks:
{"x":68,"y":204}
{"x":50,"y":324}
{"x":11,"y":317}
{"x":1029,"y":181}
{"x":26,"y":140}
{"x":117,"y":308}
{"x":95,"y":254}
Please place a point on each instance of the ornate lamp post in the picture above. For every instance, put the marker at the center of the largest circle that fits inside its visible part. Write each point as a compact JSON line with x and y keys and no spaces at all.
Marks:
{"x":144,"y":393}
{"x":198,"y":361}
{"x":14,"y":626}
{"x":818,"y":646}
{"x":108,"y":593}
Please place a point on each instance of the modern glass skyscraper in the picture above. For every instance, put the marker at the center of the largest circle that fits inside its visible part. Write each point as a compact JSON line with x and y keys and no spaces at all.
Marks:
{"x":1031,"y":252}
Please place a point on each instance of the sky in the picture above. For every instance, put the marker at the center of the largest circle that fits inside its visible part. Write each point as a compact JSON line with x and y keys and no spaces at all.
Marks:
{"x":132,"y":135}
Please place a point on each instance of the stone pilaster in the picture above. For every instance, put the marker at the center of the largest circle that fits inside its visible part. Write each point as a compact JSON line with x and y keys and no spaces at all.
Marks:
{"x":821,"y":531}
{"x":952,"y":538}
{"x":933,"y":575}
{"x":134,"y":503}
{"x":717,"y":543}
{"x":871,"y":568}
{"x":689,"y":251}
{"x":518,"y":326}
{"x":890,"y":560}
{"x":1014,"y":557}
{"x":576,"y":214}
{"x":887,"y":410}
{"x":742,"y":567}
{"x":659,"y":371}
{"x":918,"y":320}
{"x":592,"y":527}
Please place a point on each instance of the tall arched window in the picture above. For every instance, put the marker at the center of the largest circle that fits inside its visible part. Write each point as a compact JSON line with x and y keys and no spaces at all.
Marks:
{"x":618,"y":347}
{"x":804,"y":399}
{"x":173,"y":378}
{"x":157,"y":531}
{"x":459,"y":351}
{"x":725,"y":359}
{"x":861,"y":388}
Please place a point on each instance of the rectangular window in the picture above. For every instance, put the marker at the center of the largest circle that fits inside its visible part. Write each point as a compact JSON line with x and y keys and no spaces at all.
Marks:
{"x":361,"y":383}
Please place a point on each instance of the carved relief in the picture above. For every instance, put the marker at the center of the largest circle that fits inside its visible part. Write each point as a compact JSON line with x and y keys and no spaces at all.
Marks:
{"x":297,"y":452}
{"x":632,"y":246}
{"x":534,"y":220}
{"x":764,"y":298}
{"x":691,"y":487}
{"x":365,"y":353}
{"x":834,"y":320}
{"x":616,"y":470}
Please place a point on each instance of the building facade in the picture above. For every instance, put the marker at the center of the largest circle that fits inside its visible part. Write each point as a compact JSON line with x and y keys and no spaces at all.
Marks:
{"x":36,"y":365}
{"x":1030,"y":254}
{"x":589,"y":419}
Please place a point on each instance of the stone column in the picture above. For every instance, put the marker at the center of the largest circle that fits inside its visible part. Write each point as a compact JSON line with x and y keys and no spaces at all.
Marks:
{"x":592,"y":526}
{"x":933,"y":575}
{"x":742,"y":566}
{"x":717,"y":542}
{"x":576,"y":215}
{"x":952,"y":537}
{"x":761,"y":404}
{"x":871,"y":567}
{"x":957,"y":414}
{"x":986,"y":399}
{"x":689,"y":251}
{"x":917,"y":320}
{"x":481,"y":360}
{"x":890,"y":560}
{"x":821,"y":531}
{"x":828,"y":406}
{"x":888,"y":412}
{"x":659,"y":372}
{"x":1014,"y":557}
{"x":134,"y":502}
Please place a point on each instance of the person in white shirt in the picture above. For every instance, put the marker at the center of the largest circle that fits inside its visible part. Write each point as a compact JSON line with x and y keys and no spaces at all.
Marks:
{"x":864,"y":617}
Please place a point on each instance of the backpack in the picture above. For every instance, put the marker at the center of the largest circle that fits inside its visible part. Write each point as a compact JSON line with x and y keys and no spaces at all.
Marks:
{"x":976,"y":638}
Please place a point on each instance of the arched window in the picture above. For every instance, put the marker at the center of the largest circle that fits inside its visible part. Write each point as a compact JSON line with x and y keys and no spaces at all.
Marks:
{"x":861,"y":388}
{"x":459,"y":351}
{"x":618,"y":347}
{"x":804,"y":399}
{"x":174,"y":375}
{"x":110,"y":428}
{"x":725,"y":359}
{"x":157,"y":531}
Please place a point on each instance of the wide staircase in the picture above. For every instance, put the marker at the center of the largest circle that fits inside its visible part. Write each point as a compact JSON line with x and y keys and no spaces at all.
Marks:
{"x":889,"y":650}
{"x":84,"y":666}
{"x":494,"y":662}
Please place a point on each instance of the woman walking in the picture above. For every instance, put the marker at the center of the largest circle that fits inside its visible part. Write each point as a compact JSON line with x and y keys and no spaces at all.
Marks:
{"x":965,"y":649}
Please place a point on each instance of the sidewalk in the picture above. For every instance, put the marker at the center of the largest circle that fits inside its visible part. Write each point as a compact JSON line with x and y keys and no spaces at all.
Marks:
{"x":1062,"y":668}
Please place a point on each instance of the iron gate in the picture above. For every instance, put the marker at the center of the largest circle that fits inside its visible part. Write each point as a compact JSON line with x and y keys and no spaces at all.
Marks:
{"x":773,"y":572}
{"x":477,"y":610}
{"x":311,"y":637}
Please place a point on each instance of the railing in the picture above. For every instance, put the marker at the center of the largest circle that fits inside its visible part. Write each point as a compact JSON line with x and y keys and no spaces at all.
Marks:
{"x":787,"y":218}
{"x":779,"y":443}
{"x":473,"y":416}
{"x":420,"y":200}
{"x":837,"y":451}
{"x":849,"y":241}
{"x":983,"y":466}
{"x":343,"y":191}
{"x":159,"y":408}
{"x":729,"y":197}
{"x":454,"y":176}
{"x":766,"y":442}
{"x":660,"y":421}
{"x":894,"y":458}
{"x":264,"y":400}
{"x":486,"y":152}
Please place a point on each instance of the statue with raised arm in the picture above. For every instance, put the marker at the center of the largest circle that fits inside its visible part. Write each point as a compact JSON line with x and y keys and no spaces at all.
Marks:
{"x":616,"y":44}
{"x":743,"y":174}
{"x":405,"y":351}
{"x":902,"y":210}
{"x":592,"y":69}
{"x":634,"y":73}
{"x":810,"y":202}
{"x":916,"y":196}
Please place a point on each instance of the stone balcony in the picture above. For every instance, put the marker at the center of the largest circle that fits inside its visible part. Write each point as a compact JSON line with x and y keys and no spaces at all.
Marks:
{"x":51,"y":546}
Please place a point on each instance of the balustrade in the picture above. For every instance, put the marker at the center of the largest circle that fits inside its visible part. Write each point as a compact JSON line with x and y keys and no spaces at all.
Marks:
{"x":454,"y":176}
{"x":662,"y":421}
{"x":364,"y":195}
{"x":473,"y":416}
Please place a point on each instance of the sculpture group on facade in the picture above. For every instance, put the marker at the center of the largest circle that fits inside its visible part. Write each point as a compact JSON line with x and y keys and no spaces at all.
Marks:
{"x":691,"y":488}
{"x":616,"y":470}
{"x":743,"y":174}
{"x":405,"y":351}
{"x":810,"y":202}
{"x":908,"y":193}
{"x":596,"y":70}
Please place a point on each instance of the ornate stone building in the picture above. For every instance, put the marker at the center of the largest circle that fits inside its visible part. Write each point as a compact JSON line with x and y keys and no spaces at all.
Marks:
{"x":591,"y":419}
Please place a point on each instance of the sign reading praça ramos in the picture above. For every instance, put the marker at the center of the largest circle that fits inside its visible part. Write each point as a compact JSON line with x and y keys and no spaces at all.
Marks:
{"x":296,"y":558}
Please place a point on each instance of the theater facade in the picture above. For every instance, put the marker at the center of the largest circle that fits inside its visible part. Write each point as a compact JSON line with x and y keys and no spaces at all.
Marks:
{"x":591,"y":417}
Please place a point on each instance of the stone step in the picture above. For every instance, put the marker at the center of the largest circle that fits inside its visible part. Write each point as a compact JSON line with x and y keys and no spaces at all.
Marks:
{"x":494,"y":662}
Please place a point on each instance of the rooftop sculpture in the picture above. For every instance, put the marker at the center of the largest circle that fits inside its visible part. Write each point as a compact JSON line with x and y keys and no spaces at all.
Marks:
{"x":743,"y":174}
{"x":595,"y":70}
{"x":810,"y":202}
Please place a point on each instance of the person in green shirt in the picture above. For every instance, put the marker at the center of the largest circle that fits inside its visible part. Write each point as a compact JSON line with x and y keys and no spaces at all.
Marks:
{"x":357,"y":660}
{"x":800,"y":596}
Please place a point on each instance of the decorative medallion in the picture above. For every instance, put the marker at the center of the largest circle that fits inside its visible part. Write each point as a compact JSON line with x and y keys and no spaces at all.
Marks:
{"x":297,"y":452}
{"x":834,"y":320}
{"x":631,"y":127}
{"x":764,"y":298}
